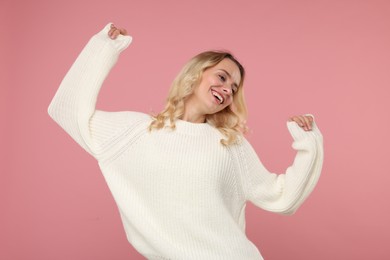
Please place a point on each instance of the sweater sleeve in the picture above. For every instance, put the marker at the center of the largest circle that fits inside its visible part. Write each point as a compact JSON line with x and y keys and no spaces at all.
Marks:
{"x":73,"y":105}
{"x":284,"y":193}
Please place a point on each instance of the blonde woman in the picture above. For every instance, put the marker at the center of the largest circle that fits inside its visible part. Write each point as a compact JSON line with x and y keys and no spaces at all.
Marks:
{"x":181,"y":178}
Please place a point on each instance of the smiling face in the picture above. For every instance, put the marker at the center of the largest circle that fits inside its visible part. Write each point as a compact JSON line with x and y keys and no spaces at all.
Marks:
{"x":216,"y":90}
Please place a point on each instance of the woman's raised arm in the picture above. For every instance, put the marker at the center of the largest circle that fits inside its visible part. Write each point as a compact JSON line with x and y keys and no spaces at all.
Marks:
{"x":73,"y":106}
{"x":283,"y":193}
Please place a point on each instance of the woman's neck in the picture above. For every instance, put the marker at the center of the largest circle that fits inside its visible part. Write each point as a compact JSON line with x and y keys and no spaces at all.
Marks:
{"x":192,"y":112}
{"x":193,"y":118}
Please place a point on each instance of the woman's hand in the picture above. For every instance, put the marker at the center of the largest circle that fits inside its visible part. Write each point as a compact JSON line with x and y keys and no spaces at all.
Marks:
{"x":303,"y":121}
{"x":114,"y":32}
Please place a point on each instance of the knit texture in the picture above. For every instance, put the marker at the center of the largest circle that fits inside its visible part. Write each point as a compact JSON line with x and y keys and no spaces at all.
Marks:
{"x":181,"y":194}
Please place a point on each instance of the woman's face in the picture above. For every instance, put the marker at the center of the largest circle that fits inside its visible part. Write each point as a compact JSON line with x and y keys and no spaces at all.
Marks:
{"x":217,"y":87}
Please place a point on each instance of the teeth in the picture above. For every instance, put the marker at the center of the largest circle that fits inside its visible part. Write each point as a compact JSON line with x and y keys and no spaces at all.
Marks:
{"x":215,"y":94}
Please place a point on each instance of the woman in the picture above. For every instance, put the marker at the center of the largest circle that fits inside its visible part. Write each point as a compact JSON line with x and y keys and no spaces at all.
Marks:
{"x":181,"y":179}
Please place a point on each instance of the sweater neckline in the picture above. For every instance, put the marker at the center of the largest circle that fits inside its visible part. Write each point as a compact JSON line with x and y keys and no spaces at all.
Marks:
{"x":190,"y":128}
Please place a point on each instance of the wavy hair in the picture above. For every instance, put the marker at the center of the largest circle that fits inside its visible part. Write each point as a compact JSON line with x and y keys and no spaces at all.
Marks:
{"x":230,"y":121}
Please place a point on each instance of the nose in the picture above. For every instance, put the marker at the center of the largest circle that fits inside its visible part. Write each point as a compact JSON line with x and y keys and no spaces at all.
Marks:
{"x":227,"y":89}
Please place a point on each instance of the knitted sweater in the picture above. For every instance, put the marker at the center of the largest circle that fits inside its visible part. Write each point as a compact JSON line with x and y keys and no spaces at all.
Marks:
{"x":181,"y":194}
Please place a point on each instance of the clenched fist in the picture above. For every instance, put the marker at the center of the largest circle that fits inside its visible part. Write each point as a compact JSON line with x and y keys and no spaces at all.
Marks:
{"x":303,"y":121}
{"x":114,"y":32}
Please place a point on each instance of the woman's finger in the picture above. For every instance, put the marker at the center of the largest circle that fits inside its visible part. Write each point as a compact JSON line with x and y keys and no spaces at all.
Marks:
{"x":114,"y":32}
{"x":123,"y":31}
{"x":307,"y":123}
{"x":110,"y":32}
{"x":294,"y":118}
{"x":302,"y":121}
{"x":112,"y":29}
{"x":311,"y":120}
{"x":298,"y":120}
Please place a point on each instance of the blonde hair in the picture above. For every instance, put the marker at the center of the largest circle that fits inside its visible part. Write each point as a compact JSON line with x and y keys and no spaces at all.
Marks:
{"x":230,"y":121}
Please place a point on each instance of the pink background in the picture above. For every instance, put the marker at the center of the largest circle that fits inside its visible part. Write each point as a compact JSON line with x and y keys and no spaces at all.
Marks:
{"x":328,"y":58}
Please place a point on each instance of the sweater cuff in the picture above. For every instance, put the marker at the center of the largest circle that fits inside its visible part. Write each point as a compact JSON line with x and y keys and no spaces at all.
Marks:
{"x":299,"y":133}
{"x":120,"y":43}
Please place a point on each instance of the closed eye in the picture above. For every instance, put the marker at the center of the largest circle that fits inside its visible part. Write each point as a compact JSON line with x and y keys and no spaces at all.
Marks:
{"x":222,"y":78}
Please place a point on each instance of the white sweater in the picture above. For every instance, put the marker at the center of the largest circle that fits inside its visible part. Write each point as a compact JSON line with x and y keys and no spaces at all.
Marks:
{"x":180,"y":193}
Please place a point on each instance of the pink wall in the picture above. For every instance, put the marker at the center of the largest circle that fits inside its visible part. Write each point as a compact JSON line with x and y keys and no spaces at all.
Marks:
{"x":328,"y":58}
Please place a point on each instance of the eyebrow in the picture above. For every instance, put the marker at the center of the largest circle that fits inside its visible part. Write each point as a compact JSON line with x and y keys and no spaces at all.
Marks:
{"x":235,"y":84}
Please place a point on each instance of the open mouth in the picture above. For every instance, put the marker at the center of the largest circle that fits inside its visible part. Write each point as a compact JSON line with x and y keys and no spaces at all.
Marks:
{"x":217,"y":96}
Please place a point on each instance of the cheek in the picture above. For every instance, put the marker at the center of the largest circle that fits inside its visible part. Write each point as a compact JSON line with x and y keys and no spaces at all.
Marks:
{"x":204,"y":85}
{"x":212,"y":81}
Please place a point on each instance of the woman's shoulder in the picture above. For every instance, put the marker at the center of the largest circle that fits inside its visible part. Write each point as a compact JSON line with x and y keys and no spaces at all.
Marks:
{"x":140,"y":118}
{"x":120,"y":119}
{"x":138,"y":115}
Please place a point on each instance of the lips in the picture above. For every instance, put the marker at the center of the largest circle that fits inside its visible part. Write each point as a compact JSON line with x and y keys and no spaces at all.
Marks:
{"x":218,"y":96}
